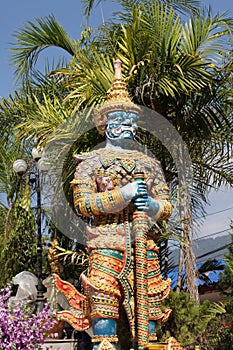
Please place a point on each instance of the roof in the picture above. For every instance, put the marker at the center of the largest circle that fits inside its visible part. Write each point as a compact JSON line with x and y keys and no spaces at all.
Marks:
{"x":213,"y":275}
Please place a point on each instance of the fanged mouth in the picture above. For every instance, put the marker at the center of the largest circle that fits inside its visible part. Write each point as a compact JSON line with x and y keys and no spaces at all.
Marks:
{"x":120,"y":129}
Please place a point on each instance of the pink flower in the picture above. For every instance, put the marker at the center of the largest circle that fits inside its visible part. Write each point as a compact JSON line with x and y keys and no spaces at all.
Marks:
{"x":20,"y":329}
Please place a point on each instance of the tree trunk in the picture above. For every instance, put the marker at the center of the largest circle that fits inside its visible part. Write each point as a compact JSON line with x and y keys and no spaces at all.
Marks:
{"x":186,"y":254}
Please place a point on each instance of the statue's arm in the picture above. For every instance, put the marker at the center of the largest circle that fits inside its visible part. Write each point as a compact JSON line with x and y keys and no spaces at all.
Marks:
{"x":87,"y":202}
{"x":160,"y":206}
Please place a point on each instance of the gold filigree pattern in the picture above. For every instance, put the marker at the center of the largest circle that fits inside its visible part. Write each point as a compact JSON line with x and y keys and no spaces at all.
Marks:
{"x":106,"y":345}
{"x":97,"y":203}
{"x":53,"y":257}
{"x":100,"y":338}
{"x":152,"y":337}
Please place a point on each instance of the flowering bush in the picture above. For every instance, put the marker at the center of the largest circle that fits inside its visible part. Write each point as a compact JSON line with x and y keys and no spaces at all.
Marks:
{"x":19,"y":328}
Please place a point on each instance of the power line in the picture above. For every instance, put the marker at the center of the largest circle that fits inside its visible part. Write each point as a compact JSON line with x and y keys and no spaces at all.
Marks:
{"x":213,"y":251}
{"x":219,"y":256}
{"x":212,"y":234}
{"x":214,"y":213}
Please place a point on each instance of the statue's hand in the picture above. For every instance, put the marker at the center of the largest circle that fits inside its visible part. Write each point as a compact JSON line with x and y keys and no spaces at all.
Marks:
{"x":141,"y":201}
{"x":137,"y":191}
{"x":134,"y":190}
{"x":148,"y":204}
{"x":129,"y":191}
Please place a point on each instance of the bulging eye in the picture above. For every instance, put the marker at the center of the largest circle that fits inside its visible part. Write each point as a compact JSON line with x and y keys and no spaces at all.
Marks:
{"x":118,"y":119}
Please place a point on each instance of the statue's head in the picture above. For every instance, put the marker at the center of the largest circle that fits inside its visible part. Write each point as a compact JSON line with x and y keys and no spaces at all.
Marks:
{"x":121,"y":125}
{"x":118,"y":116}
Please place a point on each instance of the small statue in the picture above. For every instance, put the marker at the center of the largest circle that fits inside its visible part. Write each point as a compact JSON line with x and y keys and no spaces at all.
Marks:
{"x":53,"y":257}
{"x":108,"y":189}
{"x":26,"y":291}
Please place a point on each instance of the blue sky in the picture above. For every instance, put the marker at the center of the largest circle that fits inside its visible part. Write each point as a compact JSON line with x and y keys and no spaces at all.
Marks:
{"x":15,"y":13}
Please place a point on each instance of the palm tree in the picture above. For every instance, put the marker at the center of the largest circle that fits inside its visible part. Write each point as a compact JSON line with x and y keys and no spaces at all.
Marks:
{"x":182,"y":6}
{"x":171,"y":67}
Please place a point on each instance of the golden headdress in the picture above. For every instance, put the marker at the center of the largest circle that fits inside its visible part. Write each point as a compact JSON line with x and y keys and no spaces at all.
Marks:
{"x":118,"y":100}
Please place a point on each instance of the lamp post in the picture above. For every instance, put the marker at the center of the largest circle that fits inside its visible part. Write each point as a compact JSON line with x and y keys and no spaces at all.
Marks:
{"x":20,"y":167}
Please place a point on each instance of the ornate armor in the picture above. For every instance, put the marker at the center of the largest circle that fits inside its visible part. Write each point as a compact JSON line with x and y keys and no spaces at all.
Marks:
{"x":96,"y":187}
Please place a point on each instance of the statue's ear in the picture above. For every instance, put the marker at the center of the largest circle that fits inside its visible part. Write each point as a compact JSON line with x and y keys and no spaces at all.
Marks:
{"x":100,"y":120}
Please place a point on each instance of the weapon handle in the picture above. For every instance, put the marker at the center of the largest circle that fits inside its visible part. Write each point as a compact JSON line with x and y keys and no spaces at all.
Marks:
{"x":140,"y":224}
{"x":139,"y":175}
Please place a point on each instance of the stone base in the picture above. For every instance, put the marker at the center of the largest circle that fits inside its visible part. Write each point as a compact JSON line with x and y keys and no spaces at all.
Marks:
{"x":62,"y":344}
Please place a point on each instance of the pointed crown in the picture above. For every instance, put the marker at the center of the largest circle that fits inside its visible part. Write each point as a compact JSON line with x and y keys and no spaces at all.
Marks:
{"x":118,"y":100}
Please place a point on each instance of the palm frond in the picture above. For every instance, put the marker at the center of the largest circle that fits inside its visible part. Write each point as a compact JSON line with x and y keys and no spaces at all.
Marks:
{"x":9,"y":152}
{"x":184,"y":6}
{"x":89,"y":5}
{"x":91,"y":80}
{"x":181,"y":6}
{"x":36,"y":114}
{"x":34,"y":38}
{"x":216,"y":309}
{"x":203,"y":34}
